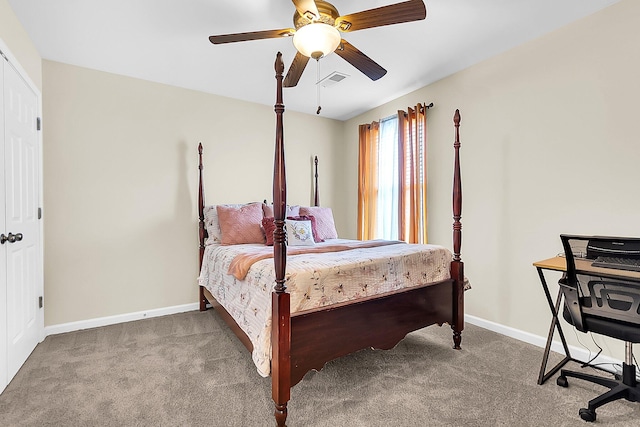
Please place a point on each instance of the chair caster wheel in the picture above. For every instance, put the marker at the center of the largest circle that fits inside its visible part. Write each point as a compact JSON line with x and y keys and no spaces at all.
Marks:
{"x":587,"y":414}
{"x":562,"y":381}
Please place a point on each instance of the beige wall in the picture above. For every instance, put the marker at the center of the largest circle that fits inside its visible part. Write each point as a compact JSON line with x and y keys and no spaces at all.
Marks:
{"x":120,"y":184}
{"x":18,"y":41}
{"x":549,"y":146}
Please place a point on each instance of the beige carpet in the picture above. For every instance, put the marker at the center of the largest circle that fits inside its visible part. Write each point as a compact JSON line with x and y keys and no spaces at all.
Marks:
{"x":189,"y":369}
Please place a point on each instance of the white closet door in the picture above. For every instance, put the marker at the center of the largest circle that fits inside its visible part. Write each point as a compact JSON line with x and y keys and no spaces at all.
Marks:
{"x":4,"y":375}
{"x":21,"y":218}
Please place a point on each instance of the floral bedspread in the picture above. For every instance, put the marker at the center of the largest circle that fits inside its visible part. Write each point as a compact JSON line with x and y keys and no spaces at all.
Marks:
{"x":315,"y":280}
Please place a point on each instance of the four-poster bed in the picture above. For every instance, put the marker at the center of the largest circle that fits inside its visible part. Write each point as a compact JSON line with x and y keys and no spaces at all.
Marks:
{"x":303,"y":338}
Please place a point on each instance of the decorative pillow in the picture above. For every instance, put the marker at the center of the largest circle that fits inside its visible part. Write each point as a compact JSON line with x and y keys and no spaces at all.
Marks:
{"x":299,"y":233}
{"x":325,"y":226}
{"x":292,"y":210}
{"x":314,"y":225}
{"x":212,"y":224}
{"x":269,"y":226}
{"x":240,"y":224}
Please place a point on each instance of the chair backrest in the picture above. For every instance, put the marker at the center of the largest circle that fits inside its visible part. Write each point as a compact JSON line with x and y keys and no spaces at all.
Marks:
{"x":605,"y":293}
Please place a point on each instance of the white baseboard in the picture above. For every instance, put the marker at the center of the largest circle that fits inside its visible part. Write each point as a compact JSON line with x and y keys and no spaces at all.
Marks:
{"x":119,"y":318}
{"x":605,"y":362}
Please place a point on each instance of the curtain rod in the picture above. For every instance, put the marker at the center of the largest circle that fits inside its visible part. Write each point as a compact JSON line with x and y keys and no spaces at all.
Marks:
{"x":394,"y":115}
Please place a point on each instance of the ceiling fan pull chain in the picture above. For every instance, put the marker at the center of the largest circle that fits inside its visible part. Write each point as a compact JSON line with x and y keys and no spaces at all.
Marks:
{"x":318,"y":85}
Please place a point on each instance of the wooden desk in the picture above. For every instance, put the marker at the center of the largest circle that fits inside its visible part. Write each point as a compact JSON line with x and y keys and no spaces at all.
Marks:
{"x":560,"y":264}
{"x":554,"y":264}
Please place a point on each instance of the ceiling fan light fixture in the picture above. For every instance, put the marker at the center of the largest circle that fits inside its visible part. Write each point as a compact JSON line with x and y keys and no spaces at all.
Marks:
{"x":316,"y":40}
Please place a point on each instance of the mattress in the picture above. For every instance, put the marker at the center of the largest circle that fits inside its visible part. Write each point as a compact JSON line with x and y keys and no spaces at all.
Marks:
{"x":315,"y":280}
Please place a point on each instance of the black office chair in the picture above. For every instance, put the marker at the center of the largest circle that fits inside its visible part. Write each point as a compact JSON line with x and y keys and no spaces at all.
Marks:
{"x":606,"y":302}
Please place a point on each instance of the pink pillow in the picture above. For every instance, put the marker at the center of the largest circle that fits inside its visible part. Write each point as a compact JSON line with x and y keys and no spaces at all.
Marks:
{"x":267,"y":210}
{"x":325,"y":226}
{"x":240,"y":224}
{"x":212,"y":225}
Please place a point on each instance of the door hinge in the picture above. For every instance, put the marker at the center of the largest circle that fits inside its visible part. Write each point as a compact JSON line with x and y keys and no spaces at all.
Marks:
{"x":38,"y":123}
{"x":40,"y":302}
{"x":39,"y":213}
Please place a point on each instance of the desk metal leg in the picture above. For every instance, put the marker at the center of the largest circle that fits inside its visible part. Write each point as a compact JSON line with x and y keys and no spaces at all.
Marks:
{"x":555,"y":323}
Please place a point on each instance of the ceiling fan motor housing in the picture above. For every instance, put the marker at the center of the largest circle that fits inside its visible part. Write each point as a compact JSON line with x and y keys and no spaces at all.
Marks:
{"x":328,"y":15}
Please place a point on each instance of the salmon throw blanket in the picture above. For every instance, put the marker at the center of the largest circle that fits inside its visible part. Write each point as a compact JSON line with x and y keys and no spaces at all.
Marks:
{"x":241,"y":264}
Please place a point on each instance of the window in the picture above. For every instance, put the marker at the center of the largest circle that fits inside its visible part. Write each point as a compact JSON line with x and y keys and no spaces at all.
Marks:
{"x":387,"y":203}
{"x":392,"y":189}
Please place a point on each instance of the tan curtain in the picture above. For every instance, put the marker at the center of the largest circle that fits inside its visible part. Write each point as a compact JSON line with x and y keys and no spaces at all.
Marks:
{"x":412,"y":156}
{"x":367,"y":180}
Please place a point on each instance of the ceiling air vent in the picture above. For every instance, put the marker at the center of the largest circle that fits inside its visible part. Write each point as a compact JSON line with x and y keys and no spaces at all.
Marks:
{"x":332,"y":79}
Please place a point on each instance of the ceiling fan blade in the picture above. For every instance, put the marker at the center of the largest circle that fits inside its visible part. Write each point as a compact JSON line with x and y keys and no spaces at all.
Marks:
{"x":359,"y":60}
{"x":255,"y":35}
{"x":295,"y":70}
{"x":307,"y":8}
{"x":412,"y":10}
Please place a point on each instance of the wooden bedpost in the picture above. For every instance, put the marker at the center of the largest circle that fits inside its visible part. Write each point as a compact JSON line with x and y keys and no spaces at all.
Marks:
{"x":457,"y":266}
{"x":201,"y":228}
{"x":280,"y":302}
{"x":316,"y":197}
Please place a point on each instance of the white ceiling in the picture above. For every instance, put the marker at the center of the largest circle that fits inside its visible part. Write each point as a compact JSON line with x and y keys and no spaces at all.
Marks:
{"x":167,"y":41}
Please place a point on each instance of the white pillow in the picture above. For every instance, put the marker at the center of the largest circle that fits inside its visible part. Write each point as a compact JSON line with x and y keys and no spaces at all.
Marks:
{"x":299,"y":233}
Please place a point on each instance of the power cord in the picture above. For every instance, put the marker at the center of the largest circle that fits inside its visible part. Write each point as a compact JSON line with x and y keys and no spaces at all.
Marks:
{"x":597,"y":354}
{"x":591,"y":358}
{"x":616,"y":366}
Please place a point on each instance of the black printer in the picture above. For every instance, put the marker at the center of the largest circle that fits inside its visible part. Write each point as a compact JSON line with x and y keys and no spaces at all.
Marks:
{"x":623,"y":247}
{"x":622,"y":253}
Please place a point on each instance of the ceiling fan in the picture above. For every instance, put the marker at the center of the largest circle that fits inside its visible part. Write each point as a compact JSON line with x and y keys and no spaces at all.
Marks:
{"x":317,"y":33}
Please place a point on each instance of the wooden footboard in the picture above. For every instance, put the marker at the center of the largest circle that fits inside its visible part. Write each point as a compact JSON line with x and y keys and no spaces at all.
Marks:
{"x":382,"y":322}
{"x":302,"y":342}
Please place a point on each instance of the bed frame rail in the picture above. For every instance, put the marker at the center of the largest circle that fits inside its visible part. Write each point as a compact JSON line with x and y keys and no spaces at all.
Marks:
{"x":202,"y":231}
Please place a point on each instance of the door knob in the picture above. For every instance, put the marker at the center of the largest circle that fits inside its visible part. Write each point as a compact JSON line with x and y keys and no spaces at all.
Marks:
{"x":11,"y":238}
